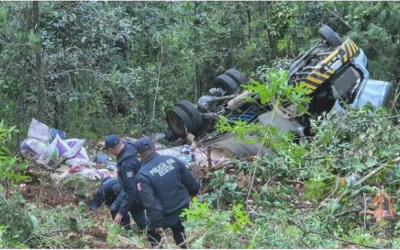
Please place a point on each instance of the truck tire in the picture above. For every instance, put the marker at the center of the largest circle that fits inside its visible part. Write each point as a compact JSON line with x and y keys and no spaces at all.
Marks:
{"x":330,"y":36}
{"x":192,"y":112}
{"x":226,"y":83}
{"x":179,"y":122}
{"x":237,"y":76}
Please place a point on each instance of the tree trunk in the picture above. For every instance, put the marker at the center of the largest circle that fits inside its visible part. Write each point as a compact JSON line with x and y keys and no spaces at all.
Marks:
{"x":249,"y":21}
{"x":41,"y":90}
{"x":197,"y":82}
{"x":272,"y":53}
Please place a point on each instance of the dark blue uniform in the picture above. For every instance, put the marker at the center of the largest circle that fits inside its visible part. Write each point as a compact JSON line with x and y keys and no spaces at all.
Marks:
{"x":128,"y":167}
{"x":165,"y":185}
{"x":107,"y":194}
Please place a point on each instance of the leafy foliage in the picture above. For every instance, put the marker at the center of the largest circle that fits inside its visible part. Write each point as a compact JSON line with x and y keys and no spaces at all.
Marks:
{"x":345,"y":156}
{"x":228,"y":223}
{"x":105,"y":61}
{"x":33,"y":225}
{"x":279,"y":93}
{"x":294,"y":203}
{"x":10,"y":170}
{"x":275,"y":94}
{"x":118,"y":67}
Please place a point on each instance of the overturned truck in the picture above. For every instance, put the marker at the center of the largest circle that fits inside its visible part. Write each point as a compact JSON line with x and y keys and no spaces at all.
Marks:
{"x":335,"y":71}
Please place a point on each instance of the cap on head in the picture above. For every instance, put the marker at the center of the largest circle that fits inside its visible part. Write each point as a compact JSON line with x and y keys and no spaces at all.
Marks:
{"x":144,"y":144}
{"x":111,"y":141}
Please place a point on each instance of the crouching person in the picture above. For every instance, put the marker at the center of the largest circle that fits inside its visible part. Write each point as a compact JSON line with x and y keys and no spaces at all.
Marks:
{"x":108,"y":194}
{"x":165,"y":186}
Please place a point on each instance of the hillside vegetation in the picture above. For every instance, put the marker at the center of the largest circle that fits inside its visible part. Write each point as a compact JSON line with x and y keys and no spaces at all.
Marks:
{"x":95,"y":68}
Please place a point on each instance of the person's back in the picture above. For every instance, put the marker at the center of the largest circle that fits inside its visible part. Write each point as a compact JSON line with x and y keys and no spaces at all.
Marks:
{"x":106,"y":194}
{"x":165,"y":185}
{"x":168,"y":180}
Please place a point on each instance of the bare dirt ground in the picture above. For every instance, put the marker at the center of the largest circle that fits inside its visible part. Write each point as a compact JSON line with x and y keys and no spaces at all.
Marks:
{"x":48,"y":195}
{"x":44,"y":194}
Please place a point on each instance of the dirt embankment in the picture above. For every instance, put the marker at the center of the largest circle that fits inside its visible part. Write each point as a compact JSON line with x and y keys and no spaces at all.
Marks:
{"x":45,"y":194}
{"x":48,"y":195}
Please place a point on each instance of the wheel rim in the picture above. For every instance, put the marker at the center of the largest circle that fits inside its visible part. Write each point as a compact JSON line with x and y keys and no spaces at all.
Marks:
{"x":176,"y":125}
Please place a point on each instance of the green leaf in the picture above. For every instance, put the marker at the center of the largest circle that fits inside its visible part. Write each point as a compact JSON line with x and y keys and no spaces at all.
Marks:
{"x":32,"y":222}
{"x":3,"y":16}
{"x":54,"y":155}
{"x":34,"y":41}
{"x":333,"y":208}
{"x":357,"y":165}
{"x":371,"y":161}
{"x":314,"y":188}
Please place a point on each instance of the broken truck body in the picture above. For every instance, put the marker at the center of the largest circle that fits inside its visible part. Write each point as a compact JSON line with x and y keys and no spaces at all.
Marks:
{"x":335,"y":71}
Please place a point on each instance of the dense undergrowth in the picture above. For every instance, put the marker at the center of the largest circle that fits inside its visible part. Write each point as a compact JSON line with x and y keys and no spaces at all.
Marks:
{"x":337,"y":189}
{"x":118,"y":67}
{"x":313,"y":201}
{"x":50,"y":215}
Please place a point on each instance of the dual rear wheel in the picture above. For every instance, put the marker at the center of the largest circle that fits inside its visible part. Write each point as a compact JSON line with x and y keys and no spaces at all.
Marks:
{"x":184,"y":118}
{"x":230,"y":81}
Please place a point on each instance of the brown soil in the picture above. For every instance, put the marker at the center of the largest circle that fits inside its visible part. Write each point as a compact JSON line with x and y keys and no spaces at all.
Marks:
{"x":91,"y":241}
{"x":43,"y":192}
{"x":104,"y":245}
{"x":97,"y":233}
{"x":96,"y":238}
{"x":37,"y":172}
{"x":100,"y":245}
{"x":48,"y":195}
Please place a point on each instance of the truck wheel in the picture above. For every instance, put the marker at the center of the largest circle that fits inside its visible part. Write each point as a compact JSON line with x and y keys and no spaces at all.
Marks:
{"x":226,"y":83}
{"x":330,"y":36}
{"x":179,"y":122}
{"x":237,"y":76}
{"x":192,"y":112}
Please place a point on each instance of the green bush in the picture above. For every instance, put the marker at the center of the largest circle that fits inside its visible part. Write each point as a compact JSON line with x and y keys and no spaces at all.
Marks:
{"x":10,"y":168}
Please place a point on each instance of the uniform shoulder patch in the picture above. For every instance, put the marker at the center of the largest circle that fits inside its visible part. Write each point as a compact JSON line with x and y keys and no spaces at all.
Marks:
{"x":130,"y":174}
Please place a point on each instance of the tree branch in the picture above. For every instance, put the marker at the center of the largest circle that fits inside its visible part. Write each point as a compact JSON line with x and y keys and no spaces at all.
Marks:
{"x":189,"y":240}
{"x":330,"y":236}
{"x":158,"y":82}
{"x":373,"y":172}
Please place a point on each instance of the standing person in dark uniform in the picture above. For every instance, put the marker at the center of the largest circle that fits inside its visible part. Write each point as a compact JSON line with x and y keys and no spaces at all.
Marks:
{"x":107,"y":194}
{"x":128,"y":166}
{"x":165,"y":185}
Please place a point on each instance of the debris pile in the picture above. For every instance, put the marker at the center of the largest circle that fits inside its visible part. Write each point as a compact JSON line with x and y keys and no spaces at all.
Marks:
{"x":66,"y":156}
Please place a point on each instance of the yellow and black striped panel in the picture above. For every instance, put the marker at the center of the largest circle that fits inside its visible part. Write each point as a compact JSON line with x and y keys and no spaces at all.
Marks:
{"x":324,"y":71}
{"x":349,"y":49}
